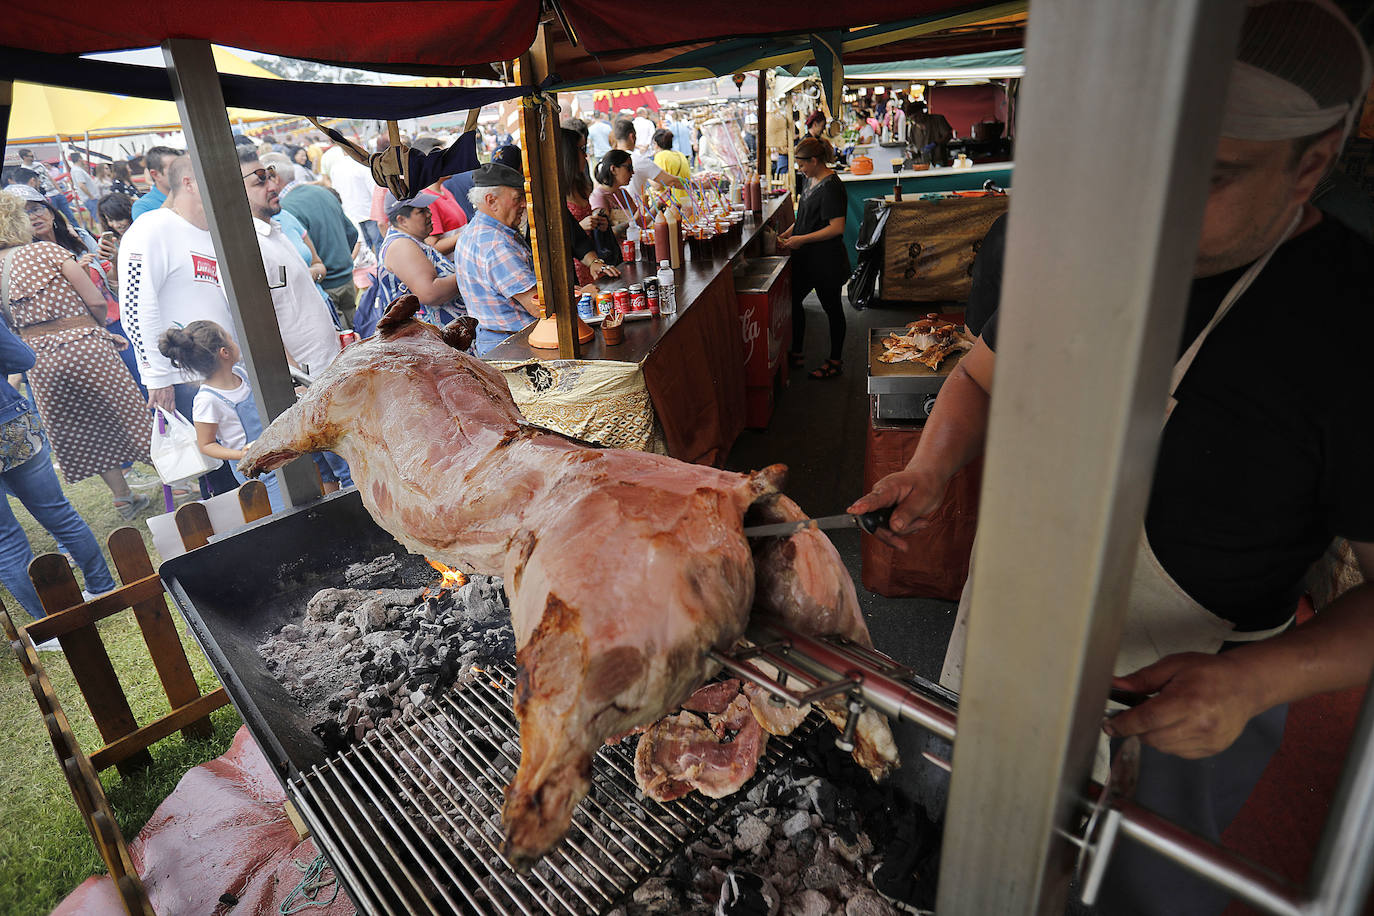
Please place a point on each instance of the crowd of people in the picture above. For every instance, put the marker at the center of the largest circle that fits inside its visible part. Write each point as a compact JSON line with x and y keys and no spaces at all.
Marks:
{"x":114,"y":305}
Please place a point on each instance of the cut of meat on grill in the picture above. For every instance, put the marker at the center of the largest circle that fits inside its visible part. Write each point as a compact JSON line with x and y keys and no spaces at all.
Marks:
{"x":927,"y":341}
{"x":714,"y":697}
{"x":776,"y":718}
{"x":623,"y":568}
{"x":715,"y":757}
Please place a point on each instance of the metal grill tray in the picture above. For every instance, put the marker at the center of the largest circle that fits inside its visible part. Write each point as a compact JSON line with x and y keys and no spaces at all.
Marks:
{"x":905,"y":377}
{"x":411,"y":817}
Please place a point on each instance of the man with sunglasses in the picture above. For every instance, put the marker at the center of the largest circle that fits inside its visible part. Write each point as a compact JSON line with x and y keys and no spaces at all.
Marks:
{"x":307,"y":329}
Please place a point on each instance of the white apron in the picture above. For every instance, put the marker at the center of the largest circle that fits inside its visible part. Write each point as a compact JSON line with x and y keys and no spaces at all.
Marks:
{"x":1161,"y":618}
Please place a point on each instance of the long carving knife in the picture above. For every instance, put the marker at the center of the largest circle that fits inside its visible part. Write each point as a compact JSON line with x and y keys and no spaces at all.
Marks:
{"x":868,"y":522}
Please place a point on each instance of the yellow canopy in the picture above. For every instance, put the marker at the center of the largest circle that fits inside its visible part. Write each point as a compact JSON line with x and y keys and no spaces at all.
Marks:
{"x":44,"y":112}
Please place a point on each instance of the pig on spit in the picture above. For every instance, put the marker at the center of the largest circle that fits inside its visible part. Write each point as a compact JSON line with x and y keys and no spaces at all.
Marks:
{"x":623,"y":568}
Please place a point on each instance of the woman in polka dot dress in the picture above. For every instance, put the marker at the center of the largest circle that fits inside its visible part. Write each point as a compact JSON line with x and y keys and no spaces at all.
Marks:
{"x":95,"y":418}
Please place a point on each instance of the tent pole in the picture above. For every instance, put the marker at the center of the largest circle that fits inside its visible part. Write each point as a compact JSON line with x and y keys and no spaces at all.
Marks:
{"x":760,"y":146}
{"x":540,"y":130}
{"x":196,"y":88}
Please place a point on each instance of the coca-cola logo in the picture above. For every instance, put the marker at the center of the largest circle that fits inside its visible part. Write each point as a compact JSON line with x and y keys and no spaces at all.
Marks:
{"x":749,"y":326}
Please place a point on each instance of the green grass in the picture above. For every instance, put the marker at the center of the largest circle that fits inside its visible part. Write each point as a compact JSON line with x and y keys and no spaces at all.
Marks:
{"x":45,"y":849}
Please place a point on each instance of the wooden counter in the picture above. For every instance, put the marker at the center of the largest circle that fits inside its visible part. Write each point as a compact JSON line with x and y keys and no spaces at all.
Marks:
{"x":693,"y":363}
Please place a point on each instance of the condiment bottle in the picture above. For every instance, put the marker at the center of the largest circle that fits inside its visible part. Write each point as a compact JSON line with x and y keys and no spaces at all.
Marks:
{"x":674,"y":238}
{"x":897,"y":191}
{"x":661,"y":237}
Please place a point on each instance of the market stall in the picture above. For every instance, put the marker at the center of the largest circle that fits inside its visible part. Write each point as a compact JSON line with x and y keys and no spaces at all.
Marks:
{"x":692,"y":365}
{"x":860,"y":188}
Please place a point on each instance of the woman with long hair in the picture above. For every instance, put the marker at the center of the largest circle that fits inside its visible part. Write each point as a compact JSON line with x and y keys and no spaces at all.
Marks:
{"x":613,"y":174}
{"x":122,"y":180}
{"x":95,"y":416}
{"x":819,"y":231}
{"x":582,"y":219}
{"x":116,"y":216}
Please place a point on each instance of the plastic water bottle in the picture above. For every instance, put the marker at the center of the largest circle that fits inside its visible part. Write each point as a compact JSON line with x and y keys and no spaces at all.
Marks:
{"x":667,"y":292}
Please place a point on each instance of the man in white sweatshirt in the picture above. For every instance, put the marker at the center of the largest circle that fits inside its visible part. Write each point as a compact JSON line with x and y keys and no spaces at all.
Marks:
{"x":169,"y":277}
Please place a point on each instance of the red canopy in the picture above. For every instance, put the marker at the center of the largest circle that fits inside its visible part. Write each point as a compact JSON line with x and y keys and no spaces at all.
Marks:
{"x":614,"y":100}
{"x":406,"y":36}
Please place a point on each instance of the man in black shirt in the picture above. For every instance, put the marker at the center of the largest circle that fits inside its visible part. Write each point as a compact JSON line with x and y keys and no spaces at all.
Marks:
{"x":1263,"y":460}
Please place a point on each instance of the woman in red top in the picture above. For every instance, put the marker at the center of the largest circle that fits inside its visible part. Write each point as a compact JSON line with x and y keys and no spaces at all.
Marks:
{"x":574,"y":165}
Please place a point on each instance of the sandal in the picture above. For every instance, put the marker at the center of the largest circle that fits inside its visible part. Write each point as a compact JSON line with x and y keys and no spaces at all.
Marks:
{"x":131,"y":505}
{"x":796,"y":360}
{"x":828,"y":369}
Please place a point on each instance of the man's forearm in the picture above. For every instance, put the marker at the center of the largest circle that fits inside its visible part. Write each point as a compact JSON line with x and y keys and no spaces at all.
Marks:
{"x":957,"y":429}
{"x":1333,"y":651}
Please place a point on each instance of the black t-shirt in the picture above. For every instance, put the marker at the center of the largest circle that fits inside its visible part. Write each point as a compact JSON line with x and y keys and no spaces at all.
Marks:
{"x":821,"y":203}
{"x":986,"y":292}
{"x":1268,"y":454}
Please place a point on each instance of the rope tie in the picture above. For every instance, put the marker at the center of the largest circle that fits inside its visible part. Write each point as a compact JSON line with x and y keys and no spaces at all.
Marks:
{"x":307,"y":894}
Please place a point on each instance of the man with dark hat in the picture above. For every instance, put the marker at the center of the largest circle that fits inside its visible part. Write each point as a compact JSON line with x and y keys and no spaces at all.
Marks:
{"x":495,"y":266}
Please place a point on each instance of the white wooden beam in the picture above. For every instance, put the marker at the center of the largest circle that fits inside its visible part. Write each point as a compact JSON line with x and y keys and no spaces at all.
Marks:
{"x":1115,"y":138}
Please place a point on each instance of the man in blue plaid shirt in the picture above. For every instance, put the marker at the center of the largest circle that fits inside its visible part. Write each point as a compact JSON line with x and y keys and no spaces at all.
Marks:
{"x":495,"y":266}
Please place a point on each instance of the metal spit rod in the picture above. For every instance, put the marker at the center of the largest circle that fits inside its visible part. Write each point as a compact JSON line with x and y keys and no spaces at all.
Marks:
{"x":833,"y":665}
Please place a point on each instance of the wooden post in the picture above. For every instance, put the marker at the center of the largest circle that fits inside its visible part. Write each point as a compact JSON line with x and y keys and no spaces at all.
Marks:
{"x":761,"y":139}
{"x":200,"y":101}
{"x":546,"y":196}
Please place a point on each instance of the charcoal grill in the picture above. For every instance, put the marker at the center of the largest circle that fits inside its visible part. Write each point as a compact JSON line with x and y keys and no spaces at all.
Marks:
{"x":410,"y":817}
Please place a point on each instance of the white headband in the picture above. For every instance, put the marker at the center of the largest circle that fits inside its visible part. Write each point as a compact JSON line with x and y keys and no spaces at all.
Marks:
{"x":1262,"y":106}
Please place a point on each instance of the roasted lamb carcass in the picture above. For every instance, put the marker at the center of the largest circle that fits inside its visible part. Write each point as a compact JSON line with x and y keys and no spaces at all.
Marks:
{"x":623,"y":568}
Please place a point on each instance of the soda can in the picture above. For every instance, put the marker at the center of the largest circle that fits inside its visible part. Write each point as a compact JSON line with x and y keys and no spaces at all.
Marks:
{"x":605,"y":303}
{"x":622,"y":301}
{"x":628,"y":250}
{"x":346,"y":338}
{"x":586,"y":308}
{"x":652,"y":296}
{"x":650,"y":286}
{"x":638,"y":301}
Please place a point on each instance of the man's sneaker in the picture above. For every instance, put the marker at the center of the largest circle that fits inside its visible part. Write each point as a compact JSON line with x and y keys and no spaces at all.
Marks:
{"x":141,"y":481}
{"x":130,"y":505}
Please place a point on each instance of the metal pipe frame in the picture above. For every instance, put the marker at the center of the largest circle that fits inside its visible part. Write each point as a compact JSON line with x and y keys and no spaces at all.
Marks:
{"x":200,"y":102}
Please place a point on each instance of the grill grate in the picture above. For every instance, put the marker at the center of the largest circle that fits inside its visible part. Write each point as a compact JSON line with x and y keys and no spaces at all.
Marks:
{"x":411,"y":817}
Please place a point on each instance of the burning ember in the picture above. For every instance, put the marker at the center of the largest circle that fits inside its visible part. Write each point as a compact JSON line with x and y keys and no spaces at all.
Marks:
{"x":452,"y":578}
{"x":365,"y":655}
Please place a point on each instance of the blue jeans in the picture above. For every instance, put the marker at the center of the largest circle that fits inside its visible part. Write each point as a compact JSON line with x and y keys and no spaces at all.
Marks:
{"x":372,"y":234}
{"x":35,"y":483}
{"x":333,"y":468}
{"x":127,"y":354}
{"x":64,"y":207}
{"x":487,"y":338}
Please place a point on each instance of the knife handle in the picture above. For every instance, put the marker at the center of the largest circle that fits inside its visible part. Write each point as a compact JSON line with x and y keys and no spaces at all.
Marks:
{"x":870,"y":522}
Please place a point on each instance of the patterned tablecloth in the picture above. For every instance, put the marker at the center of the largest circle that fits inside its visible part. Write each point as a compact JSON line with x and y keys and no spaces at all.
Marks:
{"x":597,"y":400}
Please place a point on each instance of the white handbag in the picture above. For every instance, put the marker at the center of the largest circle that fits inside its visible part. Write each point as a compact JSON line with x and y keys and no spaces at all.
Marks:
{"x":174,"y":450}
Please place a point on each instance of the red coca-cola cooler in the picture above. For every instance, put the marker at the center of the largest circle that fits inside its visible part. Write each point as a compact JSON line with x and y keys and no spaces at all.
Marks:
{"x":763,"y":288}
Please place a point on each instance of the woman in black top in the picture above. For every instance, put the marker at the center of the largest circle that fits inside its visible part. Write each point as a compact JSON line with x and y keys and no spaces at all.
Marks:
{"x":824,"y":264}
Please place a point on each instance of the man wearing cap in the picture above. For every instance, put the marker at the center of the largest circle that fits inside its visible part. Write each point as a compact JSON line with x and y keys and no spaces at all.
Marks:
{"x":1263,"y":461}
{"x":495,"y":267}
